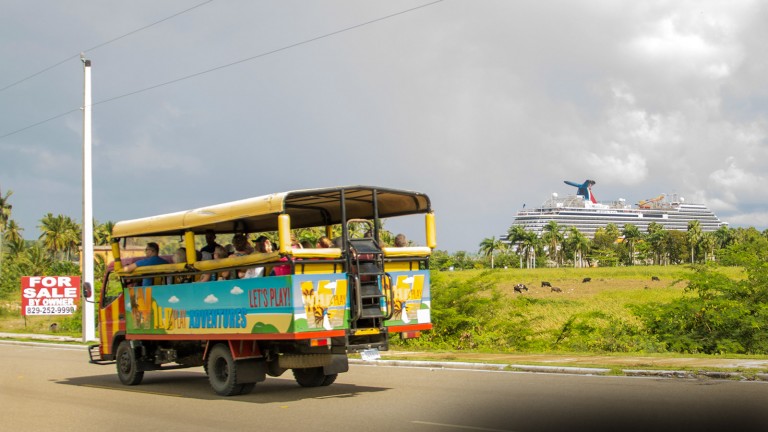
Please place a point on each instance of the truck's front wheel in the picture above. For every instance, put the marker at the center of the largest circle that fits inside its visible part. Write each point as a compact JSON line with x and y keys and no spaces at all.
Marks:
{"x":222,"y":373}
{"x":127,"y":367}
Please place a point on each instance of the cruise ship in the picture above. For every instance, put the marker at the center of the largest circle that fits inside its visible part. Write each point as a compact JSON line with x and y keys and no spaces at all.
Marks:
{"x":584,"y":212}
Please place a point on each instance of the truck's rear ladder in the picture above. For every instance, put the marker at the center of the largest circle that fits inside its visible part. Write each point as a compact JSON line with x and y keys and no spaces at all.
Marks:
{"x":370,"y":305}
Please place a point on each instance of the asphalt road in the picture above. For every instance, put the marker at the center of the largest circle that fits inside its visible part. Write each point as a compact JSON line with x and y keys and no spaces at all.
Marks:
{"x":45,"y":388}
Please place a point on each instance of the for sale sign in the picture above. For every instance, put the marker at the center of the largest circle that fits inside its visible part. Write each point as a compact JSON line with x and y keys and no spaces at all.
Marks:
{"x":49,"y":295}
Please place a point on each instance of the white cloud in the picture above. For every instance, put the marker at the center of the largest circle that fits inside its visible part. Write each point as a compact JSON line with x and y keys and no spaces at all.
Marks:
{"x":757,"y":219}
{"x":482,"y":105}
{"x":236,"y":290}
{"x":620,"y":167}
{"x":173,"y":299}
{"x":701,"y":43}
{"x":211,"y":299}
{"x":737,"y":185}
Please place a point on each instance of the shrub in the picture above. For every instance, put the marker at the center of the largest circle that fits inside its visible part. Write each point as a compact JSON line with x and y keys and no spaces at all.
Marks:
{"x":725,"y":316}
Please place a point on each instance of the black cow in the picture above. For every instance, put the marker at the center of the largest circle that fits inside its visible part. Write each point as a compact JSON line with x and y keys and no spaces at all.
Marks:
{"x":556,"y":289}
{"x":655,"y":278}
{"x":520,"y":287}
{"x":585,"y":280}
{"x":545,"y":284}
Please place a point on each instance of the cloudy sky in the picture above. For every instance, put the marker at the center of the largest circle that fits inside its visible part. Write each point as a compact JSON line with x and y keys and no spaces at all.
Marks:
{"x":484,"y":105}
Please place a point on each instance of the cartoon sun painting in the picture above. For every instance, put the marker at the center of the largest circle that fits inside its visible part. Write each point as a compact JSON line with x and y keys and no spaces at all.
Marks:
{"x":325,"y":301}
{"x":407,"y":297}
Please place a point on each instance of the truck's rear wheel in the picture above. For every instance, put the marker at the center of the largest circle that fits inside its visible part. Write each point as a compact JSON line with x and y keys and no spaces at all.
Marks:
{"x":127,"y":367}
{"x":313,"y":377}
{"x":222,"y":373}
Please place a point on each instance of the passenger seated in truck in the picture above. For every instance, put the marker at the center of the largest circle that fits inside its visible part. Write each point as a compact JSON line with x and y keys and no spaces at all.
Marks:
{"x":218,"y":253}
{"x":285,"y":269}
{"x":243,"y":247}
{"x":180,"y":256}
{"x":153,"y":251}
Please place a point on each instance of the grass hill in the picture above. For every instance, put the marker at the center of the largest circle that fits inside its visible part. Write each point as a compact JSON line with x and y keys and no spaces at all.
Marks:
{"x":480,"y":309}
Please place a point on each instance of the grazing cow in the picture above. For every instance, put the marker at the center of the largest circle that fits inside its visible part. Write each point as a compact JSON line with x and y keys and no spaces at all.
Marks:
{"x":655,"y":278}
{"x":520,"y":287}
{"x":545,"y":284}
{"x":556,"y":289}
{"x":585,"y":280}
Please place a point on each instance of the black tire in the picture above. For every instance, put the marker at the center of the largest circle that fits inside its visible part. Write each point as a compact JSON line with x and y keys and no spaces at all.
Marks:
{"x":222,"y":372}
{"x":329,"y":379}
{"x":313,"y":377}
{"x":127,"y":367}
{"x":246,"y":388}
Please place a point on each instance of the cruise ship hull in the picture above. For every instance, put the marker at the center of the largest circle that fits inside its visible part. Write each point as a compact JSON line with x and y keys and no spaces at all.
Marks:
{"x":584,"y":212}
{"x":588,"y":220}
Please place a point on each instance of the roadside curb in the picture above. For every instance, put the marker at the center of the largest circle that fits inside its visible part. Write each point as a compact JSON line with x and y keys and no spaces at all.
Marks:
{"x":42,"y":337}
{"x":43,"y":344}
{"x":485,"y":366}
{"x":564,"y":369}
{"x":561,"y":369}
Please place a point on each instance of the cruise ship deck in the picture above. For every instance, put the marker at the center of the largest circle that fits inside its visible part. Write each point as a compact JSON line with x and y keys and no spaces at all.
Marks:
{"x":585,"y":213}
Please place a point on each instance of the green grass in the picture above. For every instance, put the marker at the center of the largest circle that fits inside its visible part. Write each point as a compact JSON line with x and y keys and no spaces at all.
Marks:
{"x":586,"y":317}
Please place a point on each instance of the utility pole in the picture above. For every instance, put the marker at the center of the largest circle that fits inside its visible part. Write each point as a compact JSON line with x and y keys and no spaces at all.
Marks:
{"x":89,"y":322}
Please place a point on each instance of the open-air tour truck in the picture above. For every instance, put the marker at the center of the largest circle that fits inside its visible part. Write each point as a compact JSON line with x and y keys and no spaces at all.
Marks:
{"x":324,"y":304}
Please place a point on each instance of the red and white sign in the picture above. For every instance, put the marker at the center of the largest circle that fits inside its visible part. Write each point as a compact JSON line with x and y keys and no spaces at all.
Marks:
{"x":49,"y":295}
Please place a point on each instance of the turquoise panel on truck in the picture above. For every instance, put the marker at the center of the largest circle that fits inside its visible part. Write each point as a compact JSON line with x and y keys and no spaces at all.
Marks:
{"x":277,"y":305}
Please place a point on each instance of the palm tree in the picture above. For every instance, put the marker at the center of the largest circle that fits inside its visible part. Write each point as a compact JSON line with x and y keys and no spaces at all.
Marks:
{"x":527,"y":242}
{"x":36,"y":260}
{"x":489,"y":246}
{"x":723,"y":237}
{"x":102,"y":233}
{"x":53,"y":233}
{"x":579,"y":244}
{"x":694,"y":237}
{"x":12,"y":235}
{"x":72,"y":236}
{"x":632,"y":235}
{"x":656,"y":239}
{"x":552,"y":236}
{"x":518,"y":236}
{"x":13,"y":232}
{"x":707,"y":243}
{"x":5,"y":216}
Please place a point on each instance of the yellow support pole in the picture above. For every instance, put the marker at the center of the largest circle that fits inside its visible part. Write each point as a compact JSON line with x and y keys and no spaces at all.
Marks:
{"x":429,"y":219}
{"x":284,"y":231}
{"x":116,"y":254}
{"x":189,"y":244}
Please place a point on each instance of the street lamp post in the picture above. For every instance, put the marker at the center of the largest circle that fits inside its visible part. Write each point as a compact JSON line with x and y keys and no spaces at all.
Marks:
{"x":89,"y":327}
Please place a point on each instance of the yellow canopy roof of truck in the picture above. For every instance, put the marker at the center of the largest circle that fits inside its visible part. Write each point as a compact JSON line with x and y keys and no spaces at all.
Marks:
{"x":307,"y":208}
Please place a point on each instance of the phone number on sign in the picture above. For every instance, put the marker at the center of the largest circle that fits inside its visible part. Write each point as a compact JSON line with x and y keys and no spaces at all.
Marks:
{"x":50,"y":310}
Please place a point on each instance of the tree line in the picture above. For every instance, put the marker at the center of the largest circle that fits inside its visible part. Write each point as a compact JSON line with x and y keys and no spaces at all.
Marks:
{"x":560,"y":246}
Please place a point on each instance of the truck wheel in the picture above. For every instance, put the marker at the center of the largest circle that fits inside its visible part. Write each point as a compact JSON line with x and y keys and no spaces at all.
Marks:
{"x":313,"y":377}
{"x":127,"y":367}
{"x":246,"y":388}
{"x":222,"y":372}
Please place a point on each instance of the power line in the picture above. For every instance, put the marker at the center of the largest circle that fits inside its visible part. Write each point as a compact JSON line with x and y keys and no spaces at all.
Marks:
{"x":102,"y":44}
{"x":40,"y":122}
{"x":257,"y":56}
{"x":264,"y":54}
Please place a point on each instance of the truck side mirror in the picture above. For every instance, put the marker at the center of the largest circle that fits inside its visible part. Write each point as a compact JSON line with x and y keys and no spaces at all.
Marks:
{"x":87,"y":290}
